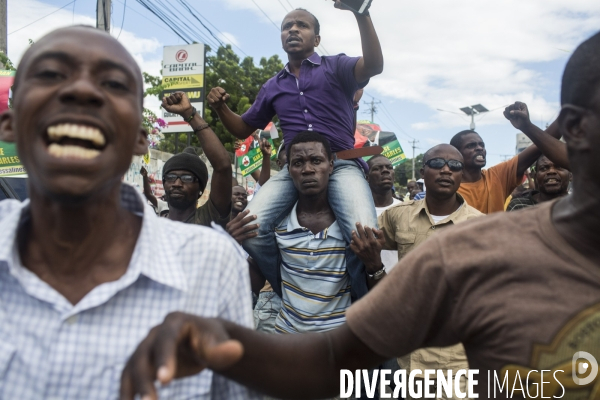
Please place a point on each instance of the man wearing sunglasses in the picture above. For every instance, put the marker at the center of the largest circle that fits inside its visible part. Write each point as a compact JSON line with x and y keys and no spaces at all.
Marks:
{"x":185,"y":175}
{"x":407,"y":225}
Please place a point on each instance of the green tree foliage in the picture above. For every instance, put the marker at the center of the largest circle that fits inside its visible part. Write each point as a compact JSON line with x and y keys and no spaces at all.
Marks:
{"x":242,"y":79}
{"x":403,"y":172}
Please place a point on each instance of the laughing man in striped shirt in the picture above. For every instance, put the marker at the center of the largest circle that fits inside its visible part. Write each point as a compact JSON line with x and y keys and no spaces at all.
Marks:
{"x":313,"y":277}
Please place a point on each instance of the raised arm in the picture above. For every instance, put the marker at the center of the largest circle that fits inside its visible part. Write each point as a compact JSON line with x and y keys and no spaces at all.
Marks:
{"x":545,"y":142}
{"x":234,"y":123}
{"x":220,"y":193}
{"x":371,"y":63}
{"x":147,"y":189}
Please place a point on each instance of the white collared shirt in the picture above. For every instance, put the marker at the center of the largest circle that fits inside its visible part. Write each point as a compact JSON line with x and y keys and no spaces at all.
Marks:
{"x":51,"y":349}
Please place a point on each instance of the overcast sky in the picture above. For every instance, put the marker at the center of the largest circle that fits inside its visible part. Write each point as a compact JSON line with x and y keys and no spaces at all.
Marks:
{"x":438,"y":54}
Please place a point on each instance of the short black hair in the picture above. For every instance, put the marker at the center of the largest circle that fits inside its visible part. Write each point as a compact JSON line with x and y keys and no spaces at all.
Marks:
{"x":582,"y":74}
{"x":456,"y":140}
{"x":375,"y":157}
{"x":317,"y":24}
{"x":281,"y":152}
{"x":310,"y":136}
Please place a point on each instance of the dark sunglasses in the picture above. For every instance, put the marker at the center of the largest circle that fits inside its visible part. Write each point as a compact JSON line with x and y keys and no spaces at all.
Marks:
{"x":171,"y":178}
{"x":438,"y":163}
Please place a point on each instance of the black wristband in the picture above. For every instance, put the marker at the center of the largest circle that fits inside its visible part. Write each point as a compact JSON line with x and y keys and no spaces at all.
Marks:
{"x":191,"y":117}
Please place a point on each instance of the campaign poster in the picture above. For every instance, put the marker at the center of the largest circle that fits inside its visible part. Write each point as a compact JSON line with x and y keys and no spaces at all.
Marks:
{"x":10,"y":163}
{"x":249,"y":156}
{"x":369,"y":134}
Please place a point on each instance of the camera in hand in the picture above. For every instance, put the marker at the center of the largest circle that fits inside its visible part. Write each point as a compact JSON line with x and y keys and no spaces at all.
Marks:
{"x":358,"y":6}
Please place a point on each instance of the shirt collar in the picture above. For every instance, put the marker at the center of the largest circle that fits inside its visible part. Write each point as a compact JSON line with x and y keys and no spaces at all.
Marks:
{"x":333,"y":230}
{"x":154,"y":253}
{"x":314,"y":59}
{"x":451,"y":218}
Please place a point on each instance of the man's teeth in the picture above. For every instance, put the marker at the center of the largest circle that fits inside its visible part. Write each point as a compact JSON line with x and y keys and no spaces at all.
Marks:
{"x":479,"y":158}
{"x":239,"y":203}
{"x":76,"y":132}
{"x":76,"y":152}
{"x":552,"y":181}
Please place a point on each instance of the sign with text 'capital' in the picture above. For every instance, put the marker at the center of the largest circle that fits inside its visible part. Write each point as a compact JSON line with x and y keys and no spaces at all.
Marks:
{"x":183,"y":71}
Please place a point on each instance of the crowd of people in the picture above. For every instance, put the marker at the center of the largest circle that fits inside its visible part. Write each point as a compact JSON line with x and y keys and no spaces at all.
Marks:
{"x":323,"y":269}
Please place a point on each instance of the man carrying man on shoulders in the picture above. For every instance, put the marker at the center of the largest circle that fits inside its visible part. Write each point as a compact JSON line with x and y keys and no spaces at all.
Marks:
{"x":312,"y":93}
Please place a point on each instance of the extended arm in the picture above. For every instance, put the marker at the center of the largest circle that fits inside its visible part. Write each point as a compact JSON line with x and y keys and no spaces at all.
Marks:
{"x":147,"y":189}
{"x":371,"y":63}
{"x":233,"y":123}
{"x":236,"y":352}
{"x":545,"y":142}
{"x":220,"y":193}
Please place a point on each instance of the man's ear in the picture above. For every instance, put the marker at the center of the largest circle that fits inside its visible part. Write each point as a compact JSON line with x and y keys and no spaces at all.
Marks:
{"x":317,"y":40}
{"x":141,"y":144}
{"x":573,"y":122}
{"x":7,"y":133}
{"x":422,"y":172}
{"x":331,"y":166}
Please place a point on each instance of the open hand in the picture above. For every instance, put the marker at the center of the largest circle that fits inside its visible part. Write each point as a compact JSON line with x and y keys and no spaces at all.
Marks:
{"x":177,"y":103}
{"x":183,"y":345}
{"x":240,"y":228}
{"x":518,"y":115}
{"x":367,"y":243}
{"x":217,"y":97}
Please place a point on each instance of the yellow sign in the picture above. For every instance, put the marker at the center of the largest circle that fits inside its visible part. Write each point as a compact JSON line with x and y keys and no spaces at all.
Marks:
{"x":183,"y":81}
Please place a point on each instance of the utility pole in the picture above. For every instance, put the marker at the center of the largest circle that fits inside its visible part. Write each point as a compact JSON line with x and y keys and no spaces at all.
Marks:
{"x":3,"y":27}
{"x":414,"y":146}
{"x":103,"y":15}
{"x":372,"y":108}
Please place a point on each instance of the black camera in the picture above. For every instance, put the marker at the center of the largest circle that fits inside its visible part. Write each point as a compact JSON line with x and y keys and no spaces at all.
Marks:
{"x":358,"y":6}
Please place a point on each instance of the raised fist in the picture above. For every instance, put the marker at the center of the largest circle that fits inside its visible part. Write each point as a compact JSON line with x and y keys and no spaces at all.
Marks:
{"x":217,"y":97}
{"x":518,"y":115}
{"x":177,"y":103}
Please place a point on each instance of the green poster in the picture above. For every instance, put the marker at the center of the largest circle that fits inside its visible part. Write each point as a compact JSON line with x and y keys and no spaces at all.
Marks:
{"x":391,"y":148}
{"x":10,"y":164}
{"x":252,"y":160}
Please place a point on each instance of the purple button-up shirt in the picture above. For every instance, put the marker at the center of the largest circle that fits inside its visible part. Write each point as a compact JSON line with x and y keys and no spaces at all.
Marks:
{"x":320,"y":100}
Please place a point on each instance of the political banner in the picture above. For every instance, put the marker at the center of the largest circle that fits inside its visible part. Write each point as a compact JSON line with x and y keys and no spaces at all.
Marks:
{"x":249,"y":156}
{"x":183,"y":71}
{"x":6,"y":82}
{"x":369,"y":134}
{"x":10,"y":163}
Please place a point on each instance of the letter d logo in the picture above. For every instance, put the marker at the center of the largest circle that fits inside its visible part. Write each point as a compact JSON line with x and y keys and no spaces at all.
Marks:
{"x":582,"y":367}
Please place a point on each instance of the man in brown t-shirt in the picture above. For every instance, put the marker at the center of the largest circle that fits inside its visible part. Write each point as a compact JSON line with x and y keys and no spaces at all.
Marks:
{"x":487,"y":190}
{"x":521,"y":291}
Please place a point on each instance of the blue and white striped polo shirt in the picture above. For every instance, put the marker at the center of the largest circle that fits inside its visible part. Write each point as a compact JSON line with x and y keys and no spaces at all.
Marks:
{"x":314,"y":279}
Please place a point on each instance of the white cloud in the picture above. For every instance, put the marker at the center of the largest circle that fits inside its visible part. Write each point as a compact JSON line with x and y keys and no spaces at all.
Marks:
{"x":452,"y":54}
{"x":228,"y":38}
{"x":24,"y":12}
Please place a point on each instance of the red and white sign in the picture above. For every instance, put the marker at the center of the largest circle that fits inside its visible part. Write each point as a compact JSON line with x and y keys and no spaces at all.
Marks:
{"x":181,"y":55}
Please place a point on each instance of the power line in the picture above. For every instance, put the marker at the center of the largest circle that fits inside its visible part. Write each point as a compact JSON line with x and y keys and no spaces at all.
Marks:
{"x":143,"y":16}
{"x":265,"y":14}
{"x":123,"y":20}
{"x":286,"y":10}
{"x":39,"y":19}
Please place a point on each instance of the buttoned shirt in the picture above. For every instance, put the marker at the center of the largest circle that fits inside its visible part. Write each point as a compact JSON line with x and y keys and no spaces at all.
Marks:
{"x":405,"y":227}
{"x":408,"y":224}
{"x":52,"y":349}
{"x":320,"y":99}
{"x":314,"y":280}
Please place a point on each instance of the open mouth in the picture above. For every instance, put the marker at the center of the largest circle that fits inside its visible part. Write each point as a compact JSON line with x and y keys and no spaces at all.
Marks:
{"x":552,"y":181}
{"x":75,"y":141}
{"x":239,"y":204}
{"x":479,"y":158}
{"x":293,"y":39}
